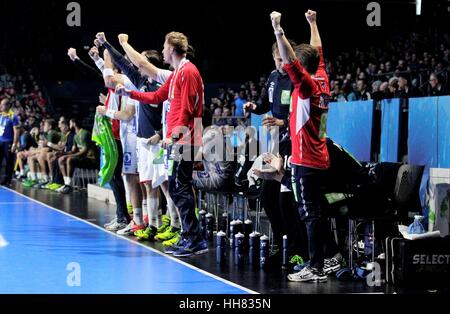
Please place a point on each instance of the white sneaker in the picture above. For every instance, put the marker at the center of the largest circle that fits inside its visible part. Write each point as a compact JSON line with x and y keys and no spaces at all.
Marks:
{"x":116,"y":226}
{"x":110,"y":223}
{"x":308,"y":275}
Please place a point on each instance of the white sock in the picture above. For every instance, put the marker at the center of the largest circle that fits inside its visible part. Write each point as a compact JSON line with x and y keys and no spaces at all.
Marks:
{"x":33,"y":176}
{"x":45,"y":178}
{"x":152,"y":208}
{"x":127,"y":191}
{"x":68,"y":181}
{"x":174,"y":215}
{"x":144,"y":206}
{"x":22,"y":172}
{"x":137,"y":216}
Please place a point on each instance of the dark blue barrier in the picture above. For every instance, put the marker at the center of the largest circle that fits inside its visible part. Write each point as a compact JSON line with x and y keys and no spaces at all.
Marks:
{"x":390,"y":116}
{"x":350,"y":124}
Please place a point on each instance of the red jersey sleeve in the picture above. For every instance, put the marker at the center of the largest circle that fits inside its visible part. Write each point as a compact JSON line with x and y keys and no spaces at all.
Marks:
{"x":157,"y":97}
{"x":321,"y":73}
{"x":300,"y":78}
{"x":321,"y":70}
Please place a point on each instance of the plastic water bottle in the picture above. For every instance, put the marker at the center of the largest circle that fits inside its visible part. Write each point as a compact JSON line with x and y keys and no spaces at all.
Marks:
{"x":253,"y":241}
{"x":239,"y":227}
{"x":224,"y":222}
{"x":263,"y":250}
{"x":417,"y":226}
{"x":209,"y":226}
{"x":221,"y":247}
{"x":248,"y":228}
{"x":232,"y":233}
{"x":285,"y":250}
{"x":202,"y":221}
{"x":239,"y":249}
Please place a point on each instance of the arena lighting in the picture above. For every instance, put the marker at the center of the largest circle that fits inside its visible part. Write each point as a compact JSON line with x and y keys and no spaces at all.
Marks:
{"x":418,"y":7}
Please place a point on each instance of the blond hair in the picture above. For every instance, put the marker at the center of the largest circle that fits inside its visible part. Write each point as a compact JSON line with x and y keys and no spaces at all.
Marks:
{"x":178,"y":41}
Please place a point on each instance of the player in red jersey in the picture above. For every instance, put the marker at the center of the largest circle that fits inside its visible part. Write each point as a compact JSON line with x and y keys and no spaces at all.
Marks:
{"x":184,"y":90}
{"x":307,"y":128}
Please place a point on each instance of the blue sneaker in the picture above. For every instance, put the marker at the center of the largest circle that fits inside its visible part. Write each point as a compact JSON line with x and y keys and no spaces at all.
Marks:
{"x":192,"y":248}
{"x":174,"y":248}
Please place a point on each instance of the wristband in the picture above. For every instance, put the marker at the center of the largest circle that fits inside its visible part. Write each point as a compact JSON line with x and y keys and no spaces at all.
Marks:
{"x":100,"y":63}
{"x":110,"y":113}
{"x":108,"y":72}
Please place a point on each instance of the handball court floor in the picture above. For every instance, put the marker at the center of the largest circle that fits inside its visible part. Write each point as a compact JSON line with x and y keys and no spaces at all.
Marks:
{"x":46,"y":232}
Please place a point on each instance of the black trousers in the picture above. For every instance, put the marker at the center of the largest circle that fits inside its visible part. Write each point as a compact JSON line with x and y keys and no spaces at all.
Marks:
{"x":281,"y":210}
{"x":118,"y":188}
{"x":182,"y":194}
{"x":306,"y":183}
{"x":5,"y":153}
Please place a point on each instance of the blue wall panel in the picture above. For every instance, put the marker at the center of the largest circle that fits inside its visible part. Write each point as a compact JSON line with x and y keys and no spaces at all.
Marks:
{"x":350,"y":124}
{"x":389,"y":130}
{"x":422,"y":131}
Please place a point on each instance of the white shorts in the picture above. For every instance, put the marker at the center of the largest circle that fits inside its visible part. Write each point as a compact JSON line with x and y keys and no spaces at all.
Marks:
{"x":148,"y":171}
{"x":129,"y":154}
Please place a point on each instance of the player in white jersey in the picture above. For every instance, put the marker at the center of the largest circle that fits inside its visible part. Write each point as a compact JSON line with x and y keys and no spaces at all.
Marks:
{"x":123,"y":109}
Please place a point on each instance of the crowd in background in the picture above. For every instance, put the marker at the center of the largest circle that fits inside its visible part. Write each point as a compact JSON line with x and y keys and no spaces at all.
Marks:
{"x":23,"y":90}
{"x":404,"y":67}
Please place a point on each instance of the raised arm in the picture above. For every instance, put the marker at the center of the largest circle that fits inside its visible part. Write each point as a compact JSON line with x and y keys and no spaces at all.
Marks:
{"x":83,"y":66}
{"x":284,"y":47}
{"x":123,"y":64}
{"x":137,"y":59}
{"x":111,"y":79}
{"x":155,"y":98}
{"x":311,"y":17}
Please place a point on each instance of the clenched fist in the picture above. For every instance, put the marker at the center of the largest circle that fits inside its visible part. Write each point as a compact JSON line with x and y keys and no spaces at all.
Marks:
{"x":311,"y":16}
{"x":123,"y":38}
{"x":93,"y":53}
{"x":101,"y":37}
{"x":275,"y":17}
{"x":72,"y":53}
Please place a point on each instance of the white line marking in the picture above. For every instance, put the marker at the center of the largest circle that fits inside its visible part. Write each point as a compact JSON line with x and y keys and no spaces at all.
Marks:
{"x":3,"y":241}
{"x":137,"y":243}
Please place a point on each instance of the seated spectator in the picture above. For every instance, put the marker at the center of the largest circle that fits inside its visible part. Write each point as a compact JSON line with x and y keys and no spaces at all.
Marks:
{"x":406,"y":91}
{"x":218,"y":170}
{"x":436,"y":87}
{"x":84,"y":155}
{"x":393,"y":86}
{"x":361,"y":90}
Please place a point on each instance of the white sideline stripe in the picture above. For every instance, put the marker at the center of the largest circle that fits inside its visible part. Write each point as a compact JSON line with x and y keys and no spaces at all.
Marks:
{"x":137,"y":243}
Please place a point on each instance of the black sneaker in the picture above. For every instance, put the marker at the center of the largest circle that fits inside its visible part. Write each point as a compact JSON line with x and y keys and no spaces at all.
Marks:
{"x":66,"y":189}
{"x":192,"y":247}
{"x":332,"y":265}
